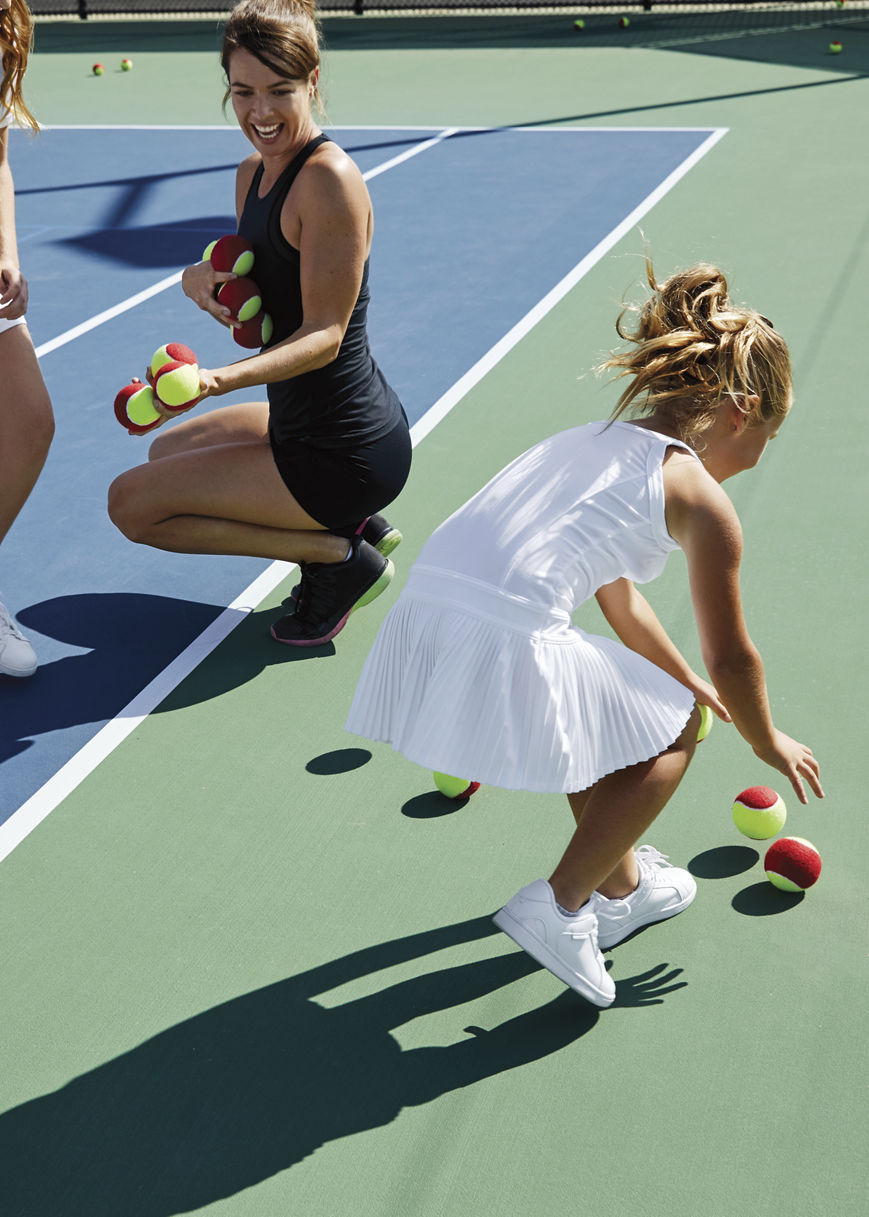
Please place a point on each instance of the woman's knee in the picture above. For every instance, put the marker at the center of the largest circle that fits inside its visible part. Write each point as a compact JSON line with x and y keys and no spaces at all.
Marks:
{"x":126,"y":508}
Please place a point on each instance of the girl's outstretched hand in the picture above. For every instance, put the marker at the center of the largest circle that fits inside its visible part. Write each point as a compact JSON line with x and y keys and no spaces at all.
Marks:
{"x":795,"y":761}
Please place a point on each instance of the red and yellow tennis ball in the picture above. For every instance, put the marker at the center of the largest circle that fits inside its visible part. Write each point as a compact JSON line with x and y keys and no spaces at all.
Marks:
{"x":455,"y":788}
{"x":835,"y":47}
{"x":126,"y":65}
{"x":254,"y":333}
{"x":136,"y":408}
{"x":759,"y":813}
{"x":241,"y":297}
{"x":792,"y":864}
{"x":177,"y":386}
{"x":98,"y":69}
{"x":171,"y":352}
{"x":231,"y":253}
{"x":624,"y":22}
{"x":579,"y":24}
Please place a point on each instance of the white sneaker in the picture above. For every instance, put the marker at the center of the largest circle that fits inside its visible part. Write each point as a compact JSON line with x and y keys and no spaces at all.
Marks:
{"x":567,"y":947}
{"x":17,"y":656}
{"x":663,"y":891}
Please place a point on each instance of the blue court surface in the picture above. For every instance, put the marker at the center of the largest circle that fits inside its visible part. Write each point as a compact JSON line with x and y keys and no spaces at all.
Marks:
{"x":474,"y":228}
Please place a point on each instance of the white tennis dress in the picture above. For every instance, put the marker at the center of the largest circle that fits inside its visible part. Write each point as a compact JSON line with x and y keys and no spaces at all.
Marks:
{"x":477,"y":670}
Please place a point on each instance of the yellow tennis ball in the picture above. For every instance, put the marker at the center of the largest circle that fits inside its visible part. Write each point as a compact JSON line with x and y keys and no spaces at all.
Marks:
{"x":177,"y":385}
{"x":707,"y":718}
{"x":759,"y":813}
{"x":455,"y":788}
{"x":579,"y":24}
{"x":141,"y":409}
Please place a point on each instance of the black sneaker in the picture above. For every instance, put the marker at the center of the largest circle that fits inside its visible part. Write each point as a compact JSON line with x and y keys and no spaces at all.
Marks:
{"x":330,"y":591}
{"x":377,"y":531}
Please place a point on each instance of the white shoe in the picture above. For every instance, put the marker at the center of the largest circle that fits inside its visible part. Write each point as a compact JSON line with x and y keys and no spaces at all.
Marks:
{"x":566,"y":946}
{"x":17,"y":656}
{"x":663,"y":891}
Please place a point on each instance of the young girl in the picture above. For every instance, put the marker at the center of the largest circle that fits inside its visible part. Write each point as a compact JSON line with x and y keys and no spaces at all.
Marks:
{"x":26,"y":421}
{"x":477,"y":670}
{"x":303,"y":476}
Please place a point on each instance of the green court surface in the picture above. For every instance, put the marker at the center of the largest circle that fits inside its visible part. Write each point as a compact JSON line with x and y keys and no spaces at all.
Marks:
{"x":247,"y":964}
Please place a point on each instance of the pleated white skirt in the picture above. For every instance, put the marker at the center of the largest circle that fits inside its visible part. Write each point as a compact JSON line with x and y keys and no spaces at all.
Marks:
{"x":467,"y":680}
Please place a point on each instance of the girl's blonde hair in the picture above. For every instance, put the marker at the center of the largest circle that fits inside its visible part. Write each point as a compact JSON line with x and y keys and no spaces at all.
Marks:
{"x":16,"y":40}
{"x":282,"y":34}
{"x":692,"y":347}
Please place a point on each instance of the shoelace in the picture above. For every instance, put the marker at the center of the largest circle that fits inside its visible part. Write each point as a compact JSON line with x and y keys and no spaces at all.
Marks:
{"x":651,"y":856}
{"x":7,"y":625}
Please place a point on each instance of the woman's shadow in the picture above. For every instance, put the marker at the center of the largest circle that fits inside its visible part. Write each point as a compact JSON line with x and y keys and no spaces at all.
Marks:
{"x":247,"y":1089}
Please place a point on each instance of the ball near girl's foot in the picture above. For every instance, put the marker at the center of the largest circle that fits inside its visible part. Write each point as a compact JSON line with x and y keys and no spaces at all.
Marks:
{"x":792,"y":864}
{"x":759,"y":813}
{"x":455,"y":788}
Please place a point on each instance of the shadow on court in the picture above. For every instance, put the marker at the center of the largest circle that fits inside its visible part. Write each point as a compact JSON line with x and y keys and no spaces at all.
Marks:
{"x":247,"y":1089}
{"x":130,"y":640}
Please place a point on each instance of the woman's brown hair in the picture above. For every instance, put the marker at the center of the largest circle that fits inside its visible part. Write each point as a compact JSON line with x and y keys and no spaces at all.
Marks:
{"x":16,"y":40}
{"x":282,"y":34}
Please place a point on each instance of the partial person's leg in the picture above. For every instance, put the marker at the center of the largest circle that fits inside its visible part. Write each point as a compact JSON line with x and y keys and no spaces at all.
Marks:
{"x":243,"y":423}
{"x":26,"y":431}
{"x":26,"y":423}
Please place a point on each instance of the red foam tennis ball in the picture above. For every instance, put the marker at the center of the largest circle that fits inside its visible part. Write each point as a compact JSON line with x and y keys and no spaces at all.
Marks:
{"x":177,"y":386}
{"x":624,"y":22}
{"x":172,"y":352}
{"x":759,"y":813}
{"x":136,"y":408}
{"x":254,"y":333}
{"x":792,"y":864}
{"x":98,"y":69}
{"x":241,"y":297}
{"x":230,"y":253}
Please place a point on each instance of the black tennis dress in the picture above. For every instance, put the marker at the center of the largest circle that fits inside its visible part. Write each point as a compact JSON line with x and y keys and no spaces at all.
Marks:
{"x":339,"y":433}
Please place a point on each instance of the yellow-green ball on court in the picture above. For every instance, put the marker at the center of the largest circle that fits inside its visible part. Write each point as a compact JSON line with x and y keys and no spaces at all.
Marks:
{"x":835,"y":47}
{"x":624,"y":22}
{"x":792,"y":864}
{"x":707,"y":718}
{"x":455,"y":788}
{"x":98,"y":69}
{"x":759,"y":813}
{"x":579,"y":24}
{"x":126,"y":65}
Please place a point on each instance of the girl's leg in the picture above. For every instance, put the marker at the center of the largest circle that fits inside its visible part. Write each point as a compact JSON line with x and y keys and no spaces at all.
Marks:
{"x":611,"y":817}
{"x":26,"y":423}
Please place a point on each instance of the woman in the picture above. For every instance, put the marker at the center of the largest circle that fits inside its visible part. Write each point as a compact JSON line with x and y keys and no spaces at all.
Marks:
{"x":26,"y":420}
{"x":302,"y":477}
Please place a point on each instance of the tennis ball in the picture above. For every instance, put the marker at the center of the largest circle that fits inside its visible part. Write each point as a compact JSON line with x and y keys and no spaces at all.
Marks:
{"x":835,"y":47}
{"x":624,"y":22}
{"x":136,"y":408}
{"x":759,"y":813}
{"x":579,"y":24}
{"x":172,"y":352}
{"x":254,"y":333}
{"x":126,"y":65}
{"x":177,"y":386}
{"x":98,"y":69}
{"x":707,"y":718}
{"x":455,"y":788}
{"x":241,"y":297}
{"x":792,"y":864}
{"x":230,"y":253}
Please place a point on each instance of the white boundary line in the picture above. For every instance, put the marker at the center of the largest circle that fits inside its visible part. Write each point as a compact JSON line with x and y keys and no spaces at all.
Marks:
{"x":31,"y":813}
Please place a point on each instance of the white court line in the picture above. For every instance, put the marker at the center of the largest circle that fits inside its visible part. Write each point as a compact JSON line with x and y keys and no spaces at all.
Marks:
{"x":116,"y":310}
{"x":31,"y":813}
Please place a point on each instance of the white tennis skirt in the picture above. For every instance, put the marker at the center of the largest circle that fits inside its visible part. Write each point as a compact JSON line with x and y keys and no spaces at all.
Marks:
{"x":467,"y":680}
